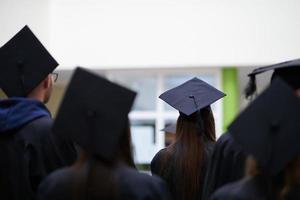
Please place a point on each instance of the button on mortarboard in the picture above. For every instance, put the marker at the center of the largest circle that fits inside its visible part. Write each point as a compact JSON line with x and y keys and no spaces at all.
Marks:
{"x":94,"y":113}
{"x":25,"y":62}
{"x":191,"y":96}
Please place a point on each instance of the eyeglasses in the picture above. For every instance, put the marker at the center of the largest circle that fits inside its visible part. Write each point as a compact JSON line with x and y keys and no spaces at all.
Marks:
{"x":54,"y":76}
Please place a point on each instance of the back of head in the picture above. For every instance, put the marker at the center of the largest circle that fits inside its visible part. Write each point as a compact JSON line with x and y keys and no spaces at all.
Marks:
{"x":25,"y":63}
{"x":288,"y":71}
{"x":290,"y":75}
{"x":97,"y":125}
{"x":200,"y":123}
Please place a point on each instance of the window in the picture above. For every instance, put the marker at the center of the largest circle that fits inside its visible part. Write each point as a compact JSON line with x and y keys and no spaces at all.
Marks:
{"x":150,"y":114}
{"x":144,"y":85}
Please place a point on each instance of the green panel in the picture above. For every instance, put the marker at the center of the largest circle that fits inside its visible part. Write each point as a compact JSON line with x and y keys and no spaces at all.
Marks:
{"x":231,"y":101}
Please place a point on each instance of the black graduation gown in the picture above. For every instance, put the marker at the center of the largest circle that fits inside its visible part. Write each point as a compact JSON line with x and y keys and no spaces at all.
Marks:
{"x":29,"y":154}
{"x":132,"y":185}
{"x":294,"y":194}
{"x":139,"y":186}
{"x":170,"y":179}
{"x":226,"y":165}
{"x":255,"y":188}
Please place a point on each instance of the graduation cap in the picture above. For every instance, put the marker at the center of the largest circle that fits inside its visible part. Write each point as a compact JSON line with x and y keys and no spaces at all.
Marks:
{"x":289,"y":71}
{"x":94,"y":113}
{"x":191,"y":96}
{"x":171,"y":128}
{"x":25,"y":62}
{"x":269,"y":128}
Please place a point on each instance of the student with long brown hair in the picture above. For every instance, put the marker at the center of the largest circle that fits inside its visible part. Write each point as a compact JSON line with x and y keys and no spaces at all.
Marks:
{"x":183,"y":163}
{"x":228,"y":159}
{"x":94,"y":113}
{"x":256,"y":184}
{"x":268,"y":131}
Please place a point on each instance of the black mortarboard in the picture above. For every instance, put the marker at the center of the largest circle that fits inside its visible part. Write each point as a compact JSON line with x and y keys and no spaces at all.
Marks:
{"x":24,"y":63}
{"x":269,"y":128}
{"x":94,"y":113}
{"x":171,"y":128}
{"x":289,"y":71}
{"x":191,"y":96}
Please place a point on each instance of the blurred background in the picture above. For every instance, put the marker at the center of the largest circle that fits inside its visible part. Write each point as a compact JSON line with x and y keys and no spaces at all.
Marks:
{"x":153,"y":45}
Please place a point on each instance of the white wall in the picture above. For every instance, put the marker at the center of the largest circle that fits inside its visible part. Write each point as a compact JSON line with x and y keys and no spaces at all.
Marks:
{"x":15,"y":14}
{"x":160,"y":33}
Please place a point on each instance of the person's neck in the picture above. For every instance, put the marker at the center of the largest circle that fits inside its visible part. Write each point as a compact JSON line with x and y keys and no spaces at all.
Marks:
{"x":37,"y":97}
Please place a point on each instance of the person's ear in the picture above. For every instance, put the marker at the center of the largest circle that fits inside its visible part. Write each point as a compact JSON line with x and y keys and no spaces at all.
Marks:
{"x":47,"y":82}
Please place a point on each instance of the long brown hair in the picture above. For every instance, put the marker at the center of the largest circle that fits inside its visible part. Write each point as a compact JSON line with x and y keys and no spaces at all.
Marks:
{"x":271,"y":185}
{"x":125,"y":152}
{"x":292,"y":179}
{"x":98,"y":179}
{"x":89,"y":184}
{"x":187,"y":153}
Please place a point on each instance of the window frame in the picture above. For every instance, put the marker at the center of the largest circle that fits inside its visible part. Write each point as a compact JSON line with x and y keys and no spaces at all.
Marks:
{"x":160,"y":115}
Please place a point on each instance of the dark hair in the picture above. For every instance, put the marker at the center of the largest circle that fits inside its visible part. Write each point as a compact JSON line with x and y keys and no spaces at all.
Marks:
{"x":271,"y":185}
{"x":292,"y":180}
{"x":125,"y":152}
{"x":89,"y":184}
{"x":187,"y":153}
{"x":251,"y":87}
{"x":100,"y":181}
{"x":209,"y":123}
{"x":290,"y":75}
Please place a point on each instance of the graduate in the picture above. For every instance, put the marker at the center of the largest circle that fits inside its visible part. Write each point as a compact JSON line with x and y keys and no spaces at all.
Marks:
{"x":94,"y":113}
{"x":268,"y":131}
{"x":228,"y":160}
{"x":171,"y":128}
{"x":28,"y":149}
{"x":183,"y":164}
{"x":170,"y":133}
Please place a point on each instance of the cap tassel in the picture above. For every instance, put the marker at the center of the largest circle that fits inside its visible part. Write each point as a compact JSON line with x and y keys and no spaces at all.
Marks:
{"x":193,"y":97}
{"x":251,"y":87}
{"x":199,"y":121}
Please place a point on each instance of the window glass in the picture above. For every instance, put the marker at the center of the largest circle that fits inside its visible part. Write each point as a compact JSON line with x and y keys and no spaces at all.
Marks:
{"x":145,"y":86}
{"x":151,"y":113}
{"x":143,"y":141}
